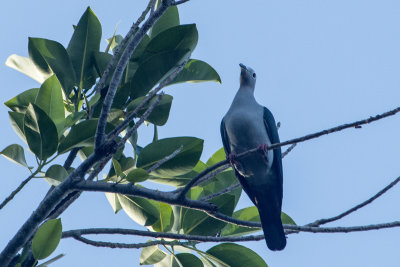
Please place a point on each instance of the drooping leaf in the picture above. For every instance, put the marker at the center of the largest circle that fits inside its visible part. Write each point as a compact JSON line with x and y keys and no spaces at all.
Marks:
{"x":20,"y":102}
{"x":56,"y":174}
{"x":151,"y":255}
{"x":41,"y":132}
{"x":182,"y":163}
{"x":15,"y":153}
{"x":50,"y":100}
{"x":114,"y":202}
{"x":141,"y":210}
{"x":26,"y":66}
{"x":160,"y":113}
{"x":81,"y":135}
{"x":196,"y":71}
{"x":235,"y":255}
{"x":84,"y":43}
{"x":56,"y":58}
{"x":17,"y":123}
{"x":46,"y":239}
{"x":169,"y":19}
{"x":189,"y":260}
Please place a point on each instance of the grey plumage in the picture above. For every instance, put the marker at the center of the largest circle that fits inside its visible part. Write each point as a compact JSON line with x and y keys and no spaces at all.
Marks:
{"x":248,"y":125}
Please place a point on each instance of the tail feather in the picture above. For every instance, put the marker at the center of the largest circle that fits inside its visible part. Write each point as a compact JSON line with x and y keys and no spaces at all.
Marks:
{"x":272,"y":226}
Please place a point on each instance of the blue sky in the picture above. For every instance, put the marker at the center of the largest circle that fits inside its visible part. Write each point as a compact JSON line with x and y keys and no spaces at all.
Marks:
{"x":319,"y":64}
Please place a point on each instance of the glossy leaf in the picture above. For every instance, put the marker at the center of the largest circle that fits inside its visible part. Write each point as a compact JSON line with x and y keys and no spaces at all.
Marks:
{"x":20,"y":102}
{"x":182,"y":163}
{"x":169,"y":19}
{"x":196,"y":71}
{"x":17,"y":123}
{"x":141,"y":210}
{"x":160,"y":113}
{"x":73,"y":118}
{"x":40,"y":132}
{"x":26,"y":66}
{"x":114,"y":202}
{"x":235,"y":255}
{"x":56,"y":174}
{"x":189,"y":260}
{"x":81,"y":135}
{"x":165,"y":218}
{"x":151,"y":71}
{"x":137,"y":175}
{"x":15,"y":153}
{"x":57,"y":59}
{"x":151,"y":255}
{"x":84,"y":43}
{"x":50,"y":100}
{"x":218,"y":156}
{"x":46,"y":239}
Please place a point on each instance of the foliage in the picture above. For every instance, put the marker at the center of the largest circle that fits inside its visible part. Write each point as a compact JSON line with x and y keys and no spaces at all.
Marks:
{"x":63,"y":115}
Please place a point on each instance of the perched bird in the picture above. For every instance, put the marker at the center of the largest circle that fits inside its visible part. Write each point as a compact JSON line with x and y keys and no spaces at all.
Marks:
{"x":249,"y":125}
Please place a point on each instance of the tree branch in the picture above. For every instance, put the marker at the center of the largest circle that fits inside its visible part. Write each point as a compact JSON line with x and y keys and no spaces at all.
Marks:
{"x":162,"y":161}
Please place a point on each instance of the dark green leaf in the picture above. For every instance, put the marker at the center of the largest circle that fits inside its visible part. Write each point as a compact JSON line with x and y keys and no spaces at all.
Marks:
{"x":20,"y":102}
{"x":114,"y":202}
{"x":46,"y":239}
{"x":56,"y":58}
{"x":26,"y":66}
{"x":81,"y":135}
{"x":40,"y":132}
{"x":50,"y":100}
{"x":141,"y":210}
{"x":151,"y":255}
{"x":84,"y":43}
{"x":189,"y":260}
{"x":56,"y":174}
{"x":140,"y":48}
{"x":137,"y":175}
{"x":15,"y":153}
{"x":126,"y":163}
{"x":218,"y":156}
{"x":72,"y":118}
{"x":196,"y":71}
{"x":182,"y":163}
{"x":17,"y":123}
{"x":169,"y":19}
{"x":160,"y":113}
{"x":101,"y":60}
{"x":235,"y":255}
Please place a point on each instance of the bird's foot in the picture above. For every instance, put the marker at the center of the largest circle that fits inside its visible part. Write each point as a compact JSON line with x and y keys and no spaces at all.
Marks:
{"x":232,"y":159}
{"x":263,"y":149}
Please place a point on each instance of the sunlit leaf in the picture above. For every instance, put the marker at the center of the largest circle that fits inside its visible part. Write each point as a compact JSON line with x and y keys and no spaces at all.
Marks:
{"x":151,"y":255}
{"x":27,"y":67}
{"x":141,"y":210}
{"x":21,"y":102}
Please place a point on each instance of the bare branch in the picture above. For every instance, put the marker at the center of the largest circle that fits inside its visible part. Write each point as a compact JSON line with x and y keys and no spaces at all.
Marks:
{"x":284,"y":154}
{"x":359,"y":206}
{"x":162,"y":161}
{"x":226,"y":190}
{"x":17,"y":190}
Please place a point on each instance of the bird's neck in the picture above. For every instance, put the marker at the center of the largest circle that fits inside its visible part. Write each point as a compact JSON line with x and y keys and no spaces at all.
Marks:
{"x":244,"y":96}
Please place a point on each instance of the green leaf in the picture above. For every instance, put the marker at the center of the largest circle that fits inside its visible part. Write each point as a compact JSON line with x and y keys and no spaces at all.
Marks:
{"x":141,"y":210}
{"x":189,"y":260}
{"x":17,"y":123}
{"x":169,"y":19}
{"x":218,"y":156}
{"x":126,"y":164}
{"x":46,"y":239}
{"x":286,"y":219}
{"x":21,"y":102}
{"x":85,"y":152}
{"x":196,"y":71}
{"x":50,"y":100}
{"x":101,"y":60}
{"x":168,"y":261}
{"x":153,"y":70}
{"x":81,"y":135}
{"x":114,"y":41}
{"x":116,"y":167}
{"x":166,"y":218}
{"x":84,"y":43}
{"x":15,"y":153}
{"x":235,"y":255}
{"x":182,"y":163}
{"x":40,"y":132}
{"x":137,"y":175}
{"x":151,"y":255}
{"x":56,"y":174}
{"x":160,"y":113}
{"x":26,"y":66}
{"x":114,"y":202}
{"x":72,"y":118}
{"x":56,"y":58}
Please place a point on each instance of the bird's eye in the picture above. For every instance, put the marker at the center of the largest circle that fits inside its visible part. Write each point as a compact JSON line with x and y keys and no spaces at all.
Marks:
{"x":254,"y":75}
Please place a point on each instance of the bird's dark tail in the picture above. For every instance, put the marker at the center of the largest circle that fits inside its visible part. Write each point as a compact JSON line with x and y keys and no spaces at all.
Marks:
{"x":272,"y":226}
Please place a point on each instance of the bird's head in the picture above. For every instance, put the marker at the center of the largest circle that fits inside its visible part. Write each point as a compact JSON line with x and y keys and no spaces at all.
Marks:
{"x":247,"y":76}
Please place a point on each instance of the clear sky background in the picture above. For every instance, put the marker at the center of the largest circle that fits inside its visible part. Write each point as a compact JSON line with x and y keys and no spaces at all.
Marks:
{"x":319,"y":64}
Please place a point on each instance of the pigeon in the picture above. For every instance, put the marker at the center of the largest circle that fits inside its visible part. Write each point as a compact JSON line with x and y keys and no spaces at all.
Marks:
{"x":248,"y":125}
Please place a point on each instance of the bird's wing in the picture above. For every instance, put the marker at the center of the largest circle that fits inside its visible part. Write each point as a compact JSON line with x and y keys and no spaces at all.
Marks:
{"x":225,"y":138}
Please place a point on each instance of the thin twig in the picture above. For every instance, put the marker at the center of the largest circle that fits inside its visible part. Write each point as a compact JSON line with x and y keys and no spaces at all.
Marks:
{"x":17,"y":190}
{"x":226,"y":190}
{"x":162,"y":161}
{"x":284,"y":154}
{"x":359,"y":206}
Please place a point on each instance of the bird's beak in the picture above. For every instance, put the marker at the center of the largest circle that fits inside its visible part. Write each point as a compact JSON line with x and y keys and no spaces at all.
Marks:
{"x":243,"y":66}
